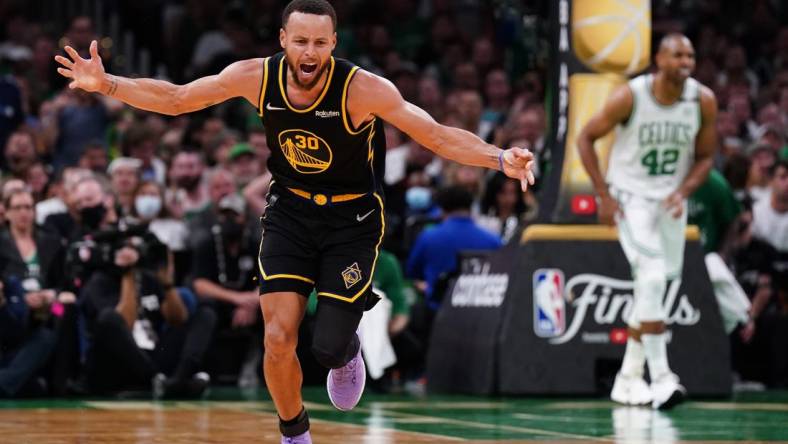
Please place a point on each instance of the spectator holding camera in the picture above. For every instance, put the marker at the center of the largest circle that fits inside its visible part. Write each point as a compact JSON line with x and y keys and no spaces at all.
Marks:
{"x":31,"y":271}
{"x":139,"y":331}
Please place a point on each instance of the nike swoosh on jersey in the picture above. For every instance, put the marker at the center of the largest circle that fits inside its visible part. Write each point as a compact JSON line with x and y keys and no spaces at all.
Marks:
{"x":273,"y":108}
{"x":360,"y":218}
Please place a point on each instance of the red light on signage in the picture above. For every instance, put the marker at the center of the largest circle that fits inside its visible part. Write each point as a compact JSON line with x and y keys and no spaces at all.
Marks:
{"x":618,"y":336}
{"x":584,"y":204}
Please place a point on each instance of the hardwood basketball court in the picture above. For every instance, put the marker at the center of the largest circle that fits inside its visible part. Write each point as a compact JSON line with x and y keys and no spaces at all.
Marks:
{"x":231,"y":417}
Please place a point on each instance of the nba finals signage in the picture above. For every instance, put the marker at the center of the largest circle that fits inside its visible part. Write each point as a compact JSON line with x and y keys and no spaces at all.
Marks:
{"x":597,"y":45}
{"x":548,"y":317}
{"x":607,"y":300}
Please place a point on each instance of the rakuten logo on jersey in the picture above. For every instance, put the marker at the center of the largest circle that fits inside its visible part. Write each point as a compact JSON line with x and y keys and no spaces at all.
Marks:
{"x":606,"y":299}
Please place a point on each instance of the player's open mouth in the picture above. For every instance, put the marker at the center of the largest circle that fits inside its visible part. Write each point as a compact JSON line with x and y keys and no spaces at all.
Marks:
{"x":308,"y":69}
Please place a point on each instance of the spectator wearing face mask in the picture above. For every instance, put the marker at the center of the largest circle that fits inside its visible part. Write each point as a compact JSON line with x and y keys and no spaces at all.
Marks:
{"x":149,"y":209}
{"x":95,"y":208}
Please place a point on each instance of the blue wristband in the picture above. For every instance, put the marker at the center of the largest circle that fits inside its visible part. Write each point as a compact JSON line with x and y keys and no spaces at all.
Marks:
{"x":500,"y":160}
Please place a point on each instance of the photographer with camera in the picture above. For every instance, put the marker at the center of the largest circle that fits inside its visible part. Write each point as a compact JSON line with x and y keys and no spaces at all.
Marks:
{"x":31,"y":309}
{"x":138,"y":326}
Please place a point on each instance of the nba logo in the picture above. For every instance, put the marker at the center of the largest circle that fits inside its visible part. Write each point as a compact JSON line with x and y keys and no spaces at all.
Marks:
{"x":549,"y":306}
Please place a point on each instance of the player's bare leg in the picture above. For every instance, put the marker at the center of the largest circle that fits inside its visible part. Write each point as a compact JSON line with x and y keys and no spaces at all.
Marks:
{"x":282,"y":315}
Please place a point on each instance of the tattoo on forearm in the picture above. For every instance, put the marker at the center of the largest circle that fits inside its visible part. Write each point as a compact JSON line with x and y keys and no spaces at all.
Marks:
{"x":113,"y":86}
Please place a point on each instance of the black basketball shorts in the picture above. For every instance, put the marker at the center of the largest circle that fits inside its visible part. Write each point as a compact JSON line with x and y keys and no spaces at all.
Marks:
{"x":321,"y":241}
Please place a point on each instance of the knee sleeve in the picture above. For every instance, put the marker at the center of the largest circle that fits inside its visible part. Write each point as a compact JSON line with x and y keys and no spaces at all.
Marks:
{"x":335,"y":342}
{"x":649,"y":291}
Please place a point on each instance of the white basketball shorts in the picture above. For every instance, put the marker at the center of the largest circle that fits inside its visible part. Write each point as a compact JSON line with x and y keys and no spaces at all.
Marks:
{"x":647,"y":231}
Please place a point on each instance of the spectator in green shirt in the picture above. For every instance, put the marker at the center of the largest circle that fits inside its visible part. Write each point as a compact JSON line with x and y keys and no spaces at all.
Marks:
{"x":713,"y":207}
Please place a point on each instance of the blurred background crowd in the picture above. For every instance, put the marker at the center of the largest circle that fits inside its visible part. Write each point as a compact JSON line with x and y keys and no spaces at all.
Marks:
{"x":129,"y":239}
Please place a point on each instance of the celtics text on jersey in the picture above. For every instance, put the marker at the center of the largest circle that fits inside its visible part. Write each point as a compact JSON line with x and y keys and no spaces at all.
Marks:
{"x":654,"y":149}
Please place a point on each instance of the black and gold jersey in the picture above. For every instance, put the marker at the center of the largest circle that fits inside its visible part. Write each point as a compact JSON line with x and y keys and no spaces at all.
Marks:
{"x":317,"y":148}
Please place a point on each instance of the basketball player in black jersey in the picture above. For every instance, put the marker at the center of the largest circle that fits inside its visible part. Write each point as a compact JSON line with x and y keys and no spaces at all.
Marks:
{"x":324,"y":220}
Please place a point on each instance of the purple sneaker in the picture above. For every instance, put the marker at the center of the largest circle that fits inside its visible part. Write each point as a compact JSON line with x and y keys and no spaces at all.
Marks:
{"x":303,"y":438}
{"x":346,"y":384}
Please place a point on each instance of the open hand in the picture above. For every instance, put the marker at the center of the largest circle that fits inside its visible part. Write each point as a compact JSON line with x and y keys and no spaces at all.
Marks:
{"x":518,"y":164}
{"x":87,"y":74}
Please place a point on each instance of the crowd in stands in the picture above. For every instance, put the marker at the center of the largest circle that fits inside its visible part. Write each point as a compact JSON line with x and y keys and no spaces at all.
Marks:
{"x":129,"y":240}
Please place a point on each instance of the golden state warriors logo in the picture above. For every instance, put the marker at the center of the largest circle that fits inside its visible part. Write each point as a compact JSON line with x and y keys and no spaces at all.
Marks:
{"x":306,"y":153}
{"x":351,"y":275}
{"x":612,"y":35}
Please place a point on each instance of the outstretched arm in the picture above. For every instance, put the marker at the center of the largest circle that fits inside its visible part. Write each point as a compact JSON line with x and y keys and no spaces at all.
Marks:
{"x":377,"y":96}
{"x":241,"y":79}
{"x":616,"y":110}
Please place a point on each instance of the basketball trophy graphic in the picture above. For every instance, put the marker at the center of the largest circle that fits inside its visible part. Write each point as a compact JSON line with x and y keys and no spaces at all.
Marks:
{"x":599,"y":44}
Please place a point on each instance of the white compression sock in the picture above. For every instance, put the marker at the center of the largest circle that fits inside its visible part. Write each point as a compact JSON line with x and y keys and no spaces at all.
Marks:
{"x":656,"y":352}
{"x":634,"y":359}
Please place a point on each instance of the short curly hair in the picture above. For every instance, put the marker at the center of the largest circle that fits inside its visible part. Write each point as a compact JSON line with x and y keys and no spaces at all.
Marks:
{"x":316,"y":7}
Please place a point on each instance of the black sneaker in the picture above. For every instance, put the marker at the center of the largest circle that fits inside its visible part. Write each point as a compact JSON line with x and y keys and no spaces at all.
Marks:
{"x":171,"y":388}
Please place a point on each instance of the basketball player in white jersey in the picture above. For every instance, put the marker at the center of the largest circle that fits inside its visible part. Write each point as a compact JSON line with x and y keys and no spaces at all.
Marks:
{"x":665,"y":141}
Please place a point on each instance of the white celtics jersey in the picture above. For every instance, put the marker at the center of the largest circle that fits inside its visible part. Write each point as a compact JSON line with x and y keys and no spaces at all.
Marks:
{"x":655,"y":148}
